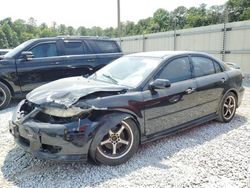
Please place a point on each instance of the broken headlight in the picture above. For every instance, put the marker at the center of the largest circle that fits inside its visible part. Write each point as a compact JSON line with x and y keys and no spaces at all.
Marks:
{"x":61,"y":112}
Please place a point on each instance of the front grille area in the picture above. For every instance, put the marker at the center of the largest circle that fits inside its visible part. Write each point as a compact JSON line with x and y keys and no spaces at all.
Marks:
{"x":45,"y":118}
{"x":27,"y":107}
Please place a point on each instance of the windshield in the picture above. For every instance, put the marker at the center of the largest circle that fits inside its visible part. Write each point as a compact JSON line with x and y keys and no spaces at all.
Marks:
{"x":127,"y":71}
{"x":17,"y":49}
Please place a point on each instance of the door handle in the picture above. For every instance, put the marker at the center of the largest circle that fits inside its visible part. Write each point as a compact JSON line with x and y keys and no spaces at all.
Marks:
{"x":90,"y":60}
{"x":190,"y":90}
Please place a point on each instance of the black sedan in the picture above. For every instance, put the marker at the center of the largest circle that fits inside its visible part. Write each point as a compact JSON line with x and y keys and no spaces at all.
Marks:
{"x":135,"y":99}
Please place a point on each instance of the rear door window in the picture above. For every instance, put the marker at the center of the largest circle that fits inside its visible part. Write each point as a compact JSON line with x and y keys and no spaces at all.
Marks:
{"x":217,"y":67}
{"x":44,"y":50}
{"x":74,"y":48}
{"x":202,"y":66}
{"x":104,"y":46}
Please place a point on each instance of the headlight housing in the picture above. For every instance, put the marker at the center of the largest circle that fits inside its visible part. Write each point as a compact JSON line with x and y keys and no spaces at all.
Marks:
{"x":61,"y":112}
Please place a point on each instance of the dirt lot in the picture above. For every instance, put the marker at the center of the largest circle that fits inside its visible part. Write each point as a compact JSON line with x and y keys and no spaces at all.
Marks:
{"x":211,"y":155}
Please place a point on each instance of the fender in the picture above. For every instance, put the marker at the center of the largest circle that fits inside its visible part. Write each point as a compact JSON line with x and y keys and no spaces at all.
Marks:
{"x":109,"y":121}
{"x":224,"y":94}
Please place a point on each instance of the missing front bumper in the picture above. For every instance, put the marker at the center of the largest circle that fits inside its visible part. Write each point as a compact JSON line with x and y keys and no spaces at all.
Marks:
{"x":48,"y":142}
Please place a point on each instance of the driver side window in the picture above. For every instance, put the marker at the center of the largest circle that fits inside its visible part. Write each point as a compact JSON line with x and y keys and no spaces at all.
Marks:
{"x":44,"y":50}
{"x":177,"y":70}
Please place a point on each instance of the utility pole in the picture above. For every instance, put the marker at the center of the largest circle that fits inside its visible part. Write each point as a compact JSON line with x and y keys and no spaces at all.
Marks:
{"x":175,"y":23}
{"x":118,"y":19}
{"x":224,"y":32}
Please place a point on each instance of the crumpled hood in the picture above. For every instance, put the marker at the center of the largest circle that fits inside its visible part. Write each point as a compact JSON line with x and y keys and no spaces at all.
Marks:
{"x":67,"y":91}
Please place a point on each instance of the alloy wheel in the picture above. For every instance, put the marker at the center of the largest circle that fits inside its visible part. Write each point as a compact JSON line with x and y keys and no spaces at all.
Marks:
{"x":118,"y":142}
{"x":229,"y":107}
{"x":2,"y":97}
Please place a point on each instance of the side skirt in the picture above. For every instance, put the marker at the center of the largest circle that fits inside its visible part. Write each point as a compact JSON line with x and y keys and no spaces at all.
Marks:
{"x":177,"y":129}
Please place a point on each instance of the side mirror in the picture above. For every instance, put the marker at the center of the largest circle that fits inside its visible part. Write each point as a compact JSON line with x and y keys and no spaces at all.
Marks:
{"x":27,"y":55}
{"x":159,"y":84}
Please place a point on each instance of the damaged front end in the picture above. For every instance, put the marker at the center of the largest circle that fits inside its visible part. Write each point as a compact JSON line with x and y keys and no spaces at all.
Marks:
{"x":56,"y":122}
{"x":51,"y":131}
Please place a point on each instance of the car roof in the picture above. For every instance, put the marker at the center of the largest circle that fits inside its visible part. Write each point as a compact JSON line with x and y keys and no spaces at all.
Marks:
{"x":75,"y":38}
{"x":164,"y":54}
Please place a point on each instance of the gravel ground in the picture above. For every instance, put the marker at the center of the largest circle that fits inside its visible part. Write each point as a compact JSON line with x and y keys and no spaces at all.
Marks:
{"x":211,"y":155}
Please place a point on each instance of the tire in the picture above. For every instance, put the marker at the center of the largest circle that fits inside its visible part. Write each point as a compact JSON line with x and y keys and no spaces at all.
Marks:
{"x":119,"y":144}
{"x":227,"y":108}
{"x":5,"y":96}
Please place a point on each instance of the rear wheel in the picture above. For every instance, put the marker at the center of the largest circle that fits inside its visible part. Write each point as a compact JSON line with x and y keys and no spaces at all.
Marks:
{"x":119,"y":144}
{"x":228,"y":108}
{"x":5,"y":96}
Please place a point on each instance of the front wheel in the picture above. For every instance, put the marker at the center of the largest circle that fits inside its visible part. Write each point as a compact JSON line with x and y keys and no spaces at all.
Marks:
{"x":119,"y":144}
{"x":227,"y":108}
{"x":5,"y":96}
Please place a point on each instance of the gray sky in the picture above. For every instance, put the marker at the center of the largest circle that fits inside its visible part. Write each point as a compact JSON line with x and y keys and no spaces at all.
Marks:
{"x":90,"y":13}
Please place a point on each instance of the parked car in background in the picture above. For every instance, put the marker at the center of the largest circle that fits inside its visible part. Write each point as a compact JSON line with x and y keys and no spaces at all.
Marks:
{"x":38,"y":61}
{"x":4,"y":51}
{"x":135,"y":99}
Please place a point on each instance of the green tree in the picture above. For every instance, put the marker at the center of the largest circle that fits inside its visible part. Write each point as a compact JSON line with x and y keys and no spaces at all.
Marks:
{"x":47,"y":32}
{"x":14,"y":33}
{"x":110,"y":32}
{"x":238,"y":8}
{"x":161,"y":20}
{"x":10,"y":35}
{"x":215,"y":14}
{"x":246,"y":14}
{"x":3,"y":41}
{"x":81,"y":31}
{"x":197,"y":17}
{"x":26,"y":36}
{"x":32,"y":27}
{"x":62,"y":29}
{"x":19,"y":26}
{"x":181,"y":14}
{"x":70,"y":31}
{"x":128,"y":28}
{"x":96,"y":31}
{"x":144,"y":26}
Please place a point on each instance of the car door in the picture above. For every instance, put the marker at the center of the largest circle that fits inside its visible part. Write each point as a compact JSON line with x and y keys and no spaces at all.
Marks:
{"x":77,"y":59}
{"x":41,"y":68}
{"x":210,"y":80}
{"x":173,"y":106}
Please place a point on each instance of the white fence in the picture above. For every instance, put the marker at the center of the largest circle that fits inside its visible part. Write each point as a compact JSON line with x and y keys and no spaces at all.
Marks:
{"x":229,"y":42}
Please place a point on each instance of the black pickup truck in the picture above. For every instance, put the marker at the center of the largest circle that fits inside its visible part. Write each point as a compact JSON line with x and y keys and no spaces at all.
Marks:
{"x":39,"y":61}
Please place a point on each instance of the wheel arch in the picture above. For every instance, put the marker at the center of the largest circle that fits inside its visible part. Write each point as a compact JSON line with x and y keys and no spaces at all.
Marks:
{"x":236,"y":94}
{"x":8,"y":85}
{"x":109,"y":121}
{"x":234,"y":91}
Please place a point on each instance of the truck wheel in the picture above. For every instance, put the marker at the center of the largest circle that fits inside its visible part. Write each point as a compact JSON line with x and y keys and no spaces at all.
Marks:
{"x":5,"y":96}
